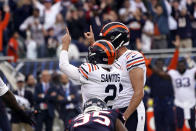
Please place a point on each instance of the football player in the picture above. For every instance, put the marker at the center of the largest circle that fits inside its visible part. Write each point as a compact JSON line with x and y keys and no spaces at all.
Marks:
{"x":183,"y":81}
{"x":96,"y":117}
{"x":133,"y":77}
{"x":10,"y":100}
{"x":98,"y":78}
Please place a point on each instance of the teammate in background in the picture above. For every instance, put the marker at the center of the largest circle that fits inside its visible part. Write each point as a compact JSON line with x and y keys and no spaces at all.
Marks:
{"x":133,"y":76}
{"x":10,"y":101}
{"x":98,"y":77}
{"x":183,"y":81}
{"x":96,"y":117}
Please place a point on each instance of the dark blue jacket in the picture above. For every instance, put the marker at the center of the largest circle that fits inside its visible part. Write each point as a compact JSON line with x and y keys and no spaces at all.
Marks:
{"x":160,"y":88}
{"x":162,"y":20}
{"x":62,"y":103}
{"x":48,"y":99}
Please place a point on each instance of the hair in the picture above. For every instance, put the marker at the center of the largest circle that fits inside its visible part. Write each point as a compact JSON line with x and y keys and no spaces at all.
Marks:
{"x":182,"y":60}
{"x":159,"y":59}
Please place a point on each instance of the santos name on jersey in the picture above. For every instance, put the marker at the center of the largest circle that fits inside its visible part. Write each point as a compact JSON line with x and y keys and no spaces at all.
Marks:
{"x":128,"y":61}
{"x":184,"y":87}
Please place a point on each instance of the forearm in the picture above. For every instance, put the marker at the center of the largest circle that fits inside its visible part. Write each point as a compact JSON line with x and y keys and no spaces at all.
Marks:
{"x":70,"y":70}
{"x":174,"y":60}
{"x":137,"y":81}
{"x":135,"y":101}
{"x":11,"y":102}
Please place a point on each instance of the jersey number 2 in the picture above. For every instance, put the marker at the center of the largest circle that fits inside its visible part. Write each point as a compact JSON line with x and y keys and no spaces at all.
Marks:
{"x":114,"y":89}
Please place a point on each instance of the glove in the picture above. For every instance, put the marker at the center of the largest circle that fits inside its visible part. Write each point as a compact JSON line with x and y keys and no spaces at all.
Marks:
{"x":26,"y":117}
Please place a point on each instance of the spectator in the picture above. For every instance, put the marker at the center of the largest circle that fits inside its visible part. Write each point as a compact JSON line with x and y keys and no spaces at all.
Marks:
{"x":17,"y":124}
{"x":31,"y":47}
{"x":45,"y":99}
{"x":73,"y":51}
{"x":163,"y":95}
{"x":24,"y":10}
{"x":59,"y":27}
{"x":193,"y":31}
{"x":51,"y":43}
{"x":33,"y":24}
{"x":175,"y":9}
{"x":68,"y":99}
{"x":96,"y":20}
{"x":3,"y":24}
{"x":125,"y":12}
{"x":30,"y":83}
{"x":147,"y":33}
{"x":135,"y":25}
{"x":111,"y":16}
{"x":184,"y":29}
{"x":75,"y":22}
{"x":65,"y":5}
{"x":137,"y":4}
{"x":161,"y":26}
{"x":13,"y":47}
{"x":48,"y":12}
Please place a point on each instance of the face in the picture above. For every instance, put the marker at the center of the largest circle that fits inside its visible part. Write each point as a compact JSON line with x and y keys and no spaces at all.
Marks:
{"x":181,"y":67}
{"x":127,"y":4}
{"x":16,"y":35}
{"x":59,"y":18}
{"x":137,"y":12}
{"x":36,"y":13}
{"x":64,"y":79}
{"x":183,"y":11}
{"x":159,"y":64}
{"x":47,"y":5}
{"x":176,"y":5}
{"x":113,"y":16}
{"x":20,"y":84}
{"x":45,"y":76}
{"x":159,"y":10}
{"x":31,"y":80}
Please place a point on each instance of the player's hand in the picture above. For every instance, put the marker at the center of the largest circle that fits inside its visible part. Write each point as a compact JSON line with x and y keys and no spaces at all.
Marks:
{"x":66,"y":40}
{"x":6,"y":8}
{"x":177,"y":43}
{"x":60,"y":98}
{"x":90,"y":36}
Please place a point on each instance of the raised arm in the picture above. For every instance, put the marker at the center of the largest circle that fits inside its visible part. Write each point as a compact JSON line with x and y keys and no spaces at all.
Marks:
{"x":174,"y":60}
{"x":6,"y":18}
{"x":71,"y":71}
{"x":90,"y":36}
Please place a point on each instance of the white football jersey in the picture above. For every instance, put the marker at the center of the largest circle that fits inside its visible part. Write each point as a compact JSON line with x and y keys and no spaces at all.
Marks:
{"x":3,"y":87}
{"x":98,"y":82}
{"x":184,"y":87}
{"x":128,"y":61}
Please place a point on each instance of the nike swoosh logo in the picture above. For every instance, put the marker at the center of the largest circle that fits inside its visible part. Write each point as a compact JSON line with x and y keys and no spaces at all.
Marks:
{"x":133,"y":56}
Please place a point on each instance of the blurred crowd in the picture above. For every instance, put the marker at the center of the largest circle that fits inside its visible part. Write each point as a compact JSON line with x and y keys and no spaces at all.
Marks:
{"x":47,"y":94}
{"x":33,"y":28}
